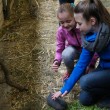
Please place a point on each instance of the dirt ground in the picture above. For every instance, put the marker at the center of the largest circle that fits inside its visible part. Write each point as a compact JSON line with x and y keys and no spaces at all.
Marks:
{"x":27,"y":47}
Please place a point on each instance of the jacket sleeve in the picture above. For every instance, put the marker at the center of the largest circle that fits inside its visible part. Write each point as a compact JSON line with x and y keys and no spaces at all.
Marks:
{"x":60,"y":45}
{"x":81,"y":65}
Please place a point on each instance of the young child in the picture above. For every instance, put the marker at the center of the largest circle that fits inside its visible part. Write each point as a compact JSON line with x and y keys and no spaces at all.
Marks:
{"x":93,"y":20}
{"x":68,"y":41}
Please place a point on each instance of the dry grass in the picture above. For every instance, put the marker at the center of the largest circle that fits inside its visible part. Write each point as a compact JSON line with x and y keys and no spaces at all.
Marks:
{"x":27,"y":46}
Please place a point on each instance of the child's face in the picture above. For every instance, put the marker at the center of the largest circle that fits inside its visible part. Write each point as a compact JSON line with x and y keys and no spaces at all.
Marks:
{"x":83,"y":25}
{"x":66,"y":20}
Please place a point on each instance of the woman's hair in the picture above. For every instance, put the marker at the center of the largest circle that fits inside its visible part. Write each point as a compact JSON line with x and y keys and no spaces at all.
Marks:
{"x":66,"y":7}
{"x":93,"y":8}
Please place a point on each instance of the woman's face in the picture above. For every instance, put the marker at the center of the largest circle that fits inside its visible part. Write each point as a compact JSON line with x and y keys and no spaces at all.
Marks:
{"x":66,"y":20}
{"x":83,"y":25}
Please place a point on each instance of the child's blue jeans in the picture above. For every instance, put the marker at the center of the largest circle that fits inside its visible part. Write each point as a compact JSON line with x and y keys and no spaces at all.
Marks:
{"x":68,"y":56}
{"x":95,"y":85}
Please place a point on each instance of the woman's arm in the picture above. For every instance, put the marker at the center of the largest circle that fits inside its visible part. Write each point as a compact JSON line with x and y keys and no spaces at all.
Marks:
{"x":81,"y":65}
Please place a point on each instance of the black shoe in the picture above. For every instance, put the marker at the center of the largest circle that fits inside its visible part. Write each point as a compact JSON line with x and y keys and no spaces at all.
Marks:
{"x":104,"y":103}
{"x":57,"y":104}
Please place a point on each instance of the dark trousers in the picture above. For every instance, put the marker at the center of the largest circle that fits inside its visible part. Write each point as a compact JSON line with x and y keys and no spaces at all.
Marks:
{"x":94,"y":86}
{"x":66,"y":1}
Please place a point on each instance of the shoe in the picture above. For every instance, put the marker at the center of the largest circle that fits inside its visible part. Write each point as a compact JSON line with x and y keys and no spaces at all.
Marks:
{"x":58,"y":104}
{"x":65,"y":77}
{"x":104,"y":103}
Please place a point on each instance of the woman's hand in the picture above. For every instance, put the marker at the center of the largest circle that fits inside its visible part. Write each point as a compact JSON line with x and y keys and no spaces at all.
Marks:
{"x":58,"y":94}
{"x":55,"y":66}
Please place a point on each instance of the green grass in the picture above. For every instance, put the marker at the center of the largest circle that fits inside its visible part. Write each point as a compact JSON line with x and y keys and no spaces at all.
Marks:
{"x":77,"y":106}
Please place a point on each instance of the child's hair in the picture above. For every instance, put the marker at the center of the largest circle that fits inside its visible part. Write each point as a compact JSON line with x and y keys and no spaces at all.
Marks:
{"x":66,"y":7}
{"x":93,"y":8}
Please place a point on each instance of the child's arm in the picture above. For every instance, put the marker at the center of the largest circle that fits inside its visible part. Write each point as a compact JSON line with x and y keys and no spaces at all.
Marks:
{"x":60,"y":45}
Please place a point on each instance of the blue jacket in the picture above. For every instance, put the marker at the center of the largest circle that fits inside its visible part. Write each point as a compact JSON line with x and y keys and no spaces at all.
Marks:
{"x":83,"y":62}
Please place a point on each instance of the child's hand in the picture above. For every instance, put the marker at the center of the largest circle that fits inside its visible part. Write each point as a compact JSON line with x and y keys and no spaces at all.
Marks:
{"x":55,"y":66}
{"x":56,"y":95}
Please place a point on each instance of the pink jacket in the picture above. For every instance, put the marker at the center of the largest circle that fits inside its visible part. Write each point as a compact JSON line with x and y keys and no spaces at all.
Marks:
{"x":65,"y":38}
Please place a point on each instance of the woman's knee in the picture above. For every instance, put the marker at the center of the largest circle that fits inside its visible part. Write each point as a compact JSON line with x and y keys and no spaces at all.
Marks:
{"x":86,"y":98}
{"x":84,"y":82}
